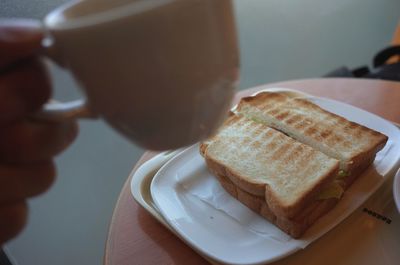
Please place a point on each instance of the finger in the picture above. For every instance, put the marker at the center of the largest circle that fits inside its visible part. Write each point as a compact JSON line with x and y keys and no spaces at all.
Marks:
{"x":23,"y":90}
{"x":21,"y":182}
{"x":13,"y":218}
{"x":31,"y":141}
{"x":19,"y":39}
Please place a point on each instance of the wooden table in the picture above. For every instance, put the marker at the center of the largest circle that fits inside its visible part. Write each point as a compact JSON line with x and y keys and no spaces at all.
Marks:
{"x":135,"y":237}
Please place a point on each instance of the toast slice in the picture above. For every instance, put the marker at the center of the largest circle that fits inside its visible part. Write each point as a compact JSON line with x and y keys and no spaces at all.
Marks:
{"x":354,"y":145}
{"x":266,"y":163}
{"x":295,"y":226}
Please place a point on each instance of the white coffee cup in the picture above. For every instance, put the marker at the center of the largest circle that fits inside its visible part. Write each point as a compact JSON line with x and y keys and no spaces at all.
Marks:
{"x":161,"y":72}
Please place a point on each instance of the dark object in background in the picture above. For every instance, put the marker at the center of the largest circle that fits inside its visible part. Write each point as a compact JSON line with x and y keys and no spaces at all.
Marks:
{"x":381,"y":68}
{"x":3,"y":258}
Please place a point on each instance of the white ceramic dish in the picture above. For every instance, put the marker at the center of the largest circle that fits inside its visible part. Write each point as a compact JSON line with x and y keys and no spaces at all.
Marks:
{"x":368,"y":237}
{"x":218,"y":236}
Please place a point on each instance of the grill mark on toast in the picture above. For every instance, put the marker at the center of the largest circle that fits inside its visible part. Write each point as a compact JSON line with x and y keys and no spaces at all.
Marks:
{"x":311,"y":130}
{"x":294,"y":119}
{"x":326,"y":134}
{"x":273,"y":111}
{"x":299,"y":125}
{"x":280,"y":152}
{"x":283,"y":115}
{"x":291,"y":120}
{"x":343,"y":139}
{"x":270,"y":144}
{"x":255,"y":144}
{"x":300,"y":157}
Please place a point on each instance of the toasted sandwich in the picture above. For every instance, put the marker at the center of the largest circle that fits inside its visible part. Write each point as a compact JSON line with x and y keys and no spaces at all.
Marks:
{"x":282,"y":162}
{"x":352,"y":144}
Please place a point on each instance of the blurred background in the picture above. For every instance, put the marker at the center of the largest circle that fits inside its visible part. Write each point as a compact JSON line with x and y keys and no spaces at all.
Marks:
{"x":279,"y":40}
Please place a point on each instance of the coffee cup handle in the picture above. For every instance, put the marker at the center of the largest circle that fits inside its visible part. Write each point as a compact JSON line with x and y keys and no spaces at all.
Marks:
{"x":55,"y":110}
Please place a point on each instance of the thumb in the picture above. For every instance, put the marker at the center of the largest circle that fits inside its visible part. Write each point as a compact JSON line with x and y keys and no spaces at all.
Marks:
{"x":19,"y":39}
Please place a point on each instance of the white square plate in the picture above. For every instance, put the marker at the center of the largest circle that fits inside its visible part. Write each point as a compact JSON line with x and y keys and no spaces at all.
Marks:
{"x":219,"y":236}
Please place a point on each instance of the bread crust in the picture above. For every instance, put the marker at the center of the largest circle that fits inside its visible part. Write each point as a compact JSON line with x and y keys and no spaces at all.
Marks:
{"x":295,"y":226}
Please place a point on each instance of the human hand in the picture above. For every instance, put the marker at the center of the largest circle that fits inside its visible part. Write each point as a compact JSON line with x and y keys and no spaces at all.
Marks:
{"x":27,"y":146}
